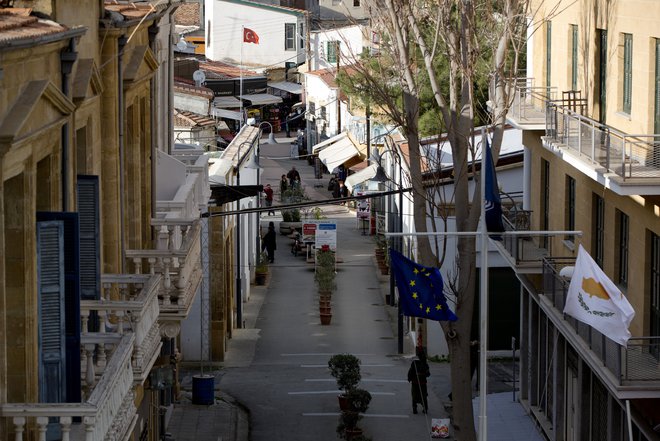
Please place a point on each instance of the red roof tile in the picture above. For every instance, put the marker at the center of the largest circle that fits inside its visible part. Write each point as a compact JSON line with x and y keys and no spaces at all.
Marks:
{"x":18,"y":24}
{"x":226,"y":70}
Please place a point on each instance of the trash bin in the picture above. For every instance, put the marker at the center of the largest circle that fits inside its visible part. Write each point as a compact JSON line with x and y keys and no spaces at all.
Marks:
{"x":203,"y":389}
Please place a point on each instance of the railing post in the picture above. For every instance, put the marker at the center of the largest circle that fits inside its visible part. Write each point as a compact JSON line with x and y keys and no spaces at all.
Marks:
{"x":42,"y":426}
{"x":65,"y":423}
{"x":19,"y":428}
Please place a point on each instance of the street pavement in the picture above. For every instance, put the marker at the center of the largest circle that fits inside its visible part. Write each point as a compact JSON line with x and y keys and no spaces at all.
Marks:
{"x":274,"y":384}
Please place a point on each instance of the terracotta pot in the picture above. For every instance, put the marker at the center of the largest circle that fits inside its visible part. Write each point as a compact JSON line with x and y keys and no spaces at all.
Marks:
{"x":325,"y":319}
{"x":325,"y":310}
{"x":343,"y":402}
{"x":260,"y":278}
{"x":353,"y":433}
{"x":324,"y":304}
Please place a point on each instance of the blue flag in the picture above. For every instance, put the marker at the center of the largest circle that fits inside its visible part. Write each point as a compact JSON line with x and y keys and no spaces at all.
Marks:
{"x":492,"y":197}
{"x":420,"y":289}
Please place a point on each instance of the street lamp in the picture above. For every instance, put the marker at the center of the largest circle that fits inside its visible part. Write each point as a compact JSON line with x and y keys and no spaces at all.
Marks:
{"x":271,"y":135}
{"x":239,"y":270}
{"x":381,"y":176}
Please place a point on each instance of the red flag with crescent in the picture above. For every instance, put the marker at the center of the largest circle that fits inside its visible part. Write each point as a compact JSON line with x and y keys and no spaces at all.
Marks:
{"x":249,"y":36}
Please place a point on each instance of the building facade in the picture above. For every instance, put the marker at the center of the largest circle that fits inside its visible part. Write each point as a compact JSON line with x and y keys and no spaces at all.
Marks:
{"x":590,"y":122}
{"x":100,"y":259}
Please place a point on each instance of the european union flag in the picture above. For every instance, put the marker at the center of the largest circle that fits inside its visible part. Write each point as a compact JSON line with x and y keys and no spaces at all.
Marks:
{"x":493,"y":203}
{"x":420,"y":289}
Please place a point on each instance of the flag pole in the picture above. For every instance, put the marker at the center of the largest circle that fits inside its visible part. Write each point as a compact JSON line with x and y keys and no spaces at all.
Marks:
{"x":240,"y":81}
{"x":483,"y":301}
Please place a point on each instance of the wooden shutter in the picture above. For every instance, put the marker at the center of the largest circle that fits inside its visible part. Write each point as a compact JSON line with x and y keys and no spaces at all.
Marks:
{"x":71,"y":298}
{"x":90,"y":258}
{"x":50,"y":288}
{"x":627,"y":73}
{"x":574,"y":57}
{"x":548,"y":53}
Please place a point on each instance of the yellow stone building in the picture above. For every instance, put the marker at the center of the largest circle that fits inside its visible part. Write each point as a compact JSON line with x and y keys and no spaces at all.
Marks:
{"x":99,"y":220}
{"x":590,"y":112}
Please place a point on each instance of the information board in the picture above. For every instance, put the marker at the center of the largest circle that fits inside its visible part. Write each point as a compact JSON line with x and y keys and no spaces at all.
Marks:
{"x":326,"y":234}
{"x":308,"y":232}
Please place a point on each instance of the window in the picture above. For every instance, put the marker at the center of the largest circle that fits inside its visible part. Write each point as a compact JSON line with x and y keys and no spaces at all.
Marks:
{"x":601,"y":52}
{"x":289,"y":36}
{"x":208,"y":34}
{"x":333,"y":51}
{"x":302,"y":36}
{"x":623,"y":241}
{"x":627,"y":73}
{"x":548,"y":52}
{"x":598,"y":228}
{"x":323,"y":115}
{"x":655,"y":285}
{"x":356,"y":3}
{"x":570,"y":207}
{"x":574,"y":57}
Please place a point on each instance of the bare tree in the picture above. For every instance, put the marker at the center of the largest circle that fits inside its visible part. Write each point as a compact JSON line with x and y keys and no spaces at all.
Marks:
{"x":468,"y":39}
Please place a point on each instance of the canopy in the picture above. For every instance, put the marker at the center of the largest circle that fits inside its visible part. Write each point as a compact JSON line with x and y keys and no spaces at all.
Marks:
{"x":261,"y":99}
{"x":225,"y":113}
{"x":363,"y":175}
{"x":287,"y":87}
{"x":321,"y":145}
{"x":339,"y":152}
{"x":226,"y":102}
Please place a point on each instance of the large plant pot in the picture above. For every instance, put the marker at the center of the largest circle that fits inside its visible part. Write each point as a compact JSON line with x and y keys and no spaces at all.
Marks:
{"x":260,"y":278}
{"x":352,"y":433}
{"x":325,"y":310}
{"x":343,"y":402}
{"x":286,"y":228}
{"x":325,"y":319}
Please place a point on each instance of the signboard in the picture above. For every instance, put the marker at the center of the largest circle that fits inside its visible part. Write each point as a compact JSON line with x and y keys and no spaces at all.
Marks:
{"x":363,"y":207}
{"x":309,"y":232}
{"x":326,"y":234}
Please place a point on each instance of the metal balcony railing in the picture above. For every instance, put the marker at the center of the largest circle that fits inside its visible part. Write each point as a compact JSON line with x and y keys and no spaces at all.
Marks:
{"x":626,"y":155}
{"x":634,"y":364}
{"x":529,"y":250}
{"x":529,"y":103}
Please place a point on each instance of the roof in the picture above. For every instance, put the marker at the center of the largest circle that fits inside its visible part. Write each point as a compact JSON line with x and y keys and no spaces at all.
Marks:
{"x":283,"y":9}
{"x":226,"y":71}
{"x":328,"y":76}
{"x":130,"y":10}
{"x":183,"y":86}
{"x":191,"y":119}
{"x":17,"y":24}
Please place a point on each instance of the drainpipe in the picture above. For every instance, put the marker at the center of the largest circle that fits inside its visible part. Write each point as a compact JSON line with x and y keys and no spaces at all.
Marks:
{"x":121,"y":43}
{"x":153,"y":90}
{"x":67,"y":59}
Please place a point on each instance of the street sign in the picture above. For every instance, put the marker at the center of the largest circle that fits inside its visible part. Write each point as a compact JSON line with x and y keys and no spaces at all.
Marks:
{"x":326,"y":234}
{"x":308,"y":232}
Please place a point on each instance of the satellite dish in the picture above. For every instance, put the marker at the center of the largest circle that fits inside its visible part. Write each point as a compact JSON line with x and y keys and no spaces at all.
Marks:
{"x":199,"y":76}
{"x":182,"y":45}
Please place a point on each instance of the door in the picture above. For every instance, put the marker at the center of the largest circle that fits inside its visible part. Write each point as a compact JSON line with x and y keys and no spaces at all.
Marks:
{"x":572,"y":405}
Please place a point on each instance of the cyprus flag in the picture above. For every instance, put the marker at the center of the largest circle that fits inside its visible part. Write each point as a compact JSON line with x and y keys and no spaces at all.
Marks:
{"x":595,"y":300}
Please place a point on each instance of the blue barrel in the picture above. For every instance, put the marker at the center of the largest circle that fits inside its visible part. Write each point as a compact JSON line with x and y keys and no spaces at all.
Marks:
{"x":203,"y":389}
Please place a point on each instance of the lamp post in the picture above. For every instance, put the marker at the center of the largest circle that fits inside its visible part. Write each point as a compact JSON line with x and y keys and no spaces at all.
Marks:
{"x":271,"y":135}
{"x":381,"y":176}
{"x":239,"y":269}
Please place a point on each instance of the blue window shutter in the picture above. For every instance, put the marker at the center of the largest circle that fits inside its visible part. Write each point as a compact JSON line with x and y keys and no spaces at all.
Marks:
{"x":71,"y":298}
{"x":50,"y":287}
{"x":90,"y":250}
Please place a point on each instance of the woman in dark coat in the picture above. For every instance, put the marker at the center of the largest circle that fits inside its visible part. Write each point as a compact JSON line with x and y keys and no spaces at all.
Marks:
{"x":268,"y":242}
{"x":417,"y":375}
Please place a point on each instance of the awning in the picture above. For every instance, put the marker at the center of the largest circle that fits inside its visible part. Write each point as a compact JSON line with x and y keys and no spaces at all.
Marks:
{"x":321,"y":145}
{"x":218,"y":170}
{"x":261,"y":99}
{"x":287,"y":87}
{"x":226,"y":102}
{"x":340,"y":152}
{"x":224,"y":113}
{"x":363,"y":175}
{"x":223,"y":194}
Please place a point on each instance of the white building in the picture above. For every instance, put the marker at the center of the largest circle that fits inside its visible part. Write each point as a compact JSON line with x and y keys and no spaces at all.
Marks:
{"x":255,"y":34}
{"x":327,"y":109}
{"x":342,"y":45}
{"x":343,"y":10}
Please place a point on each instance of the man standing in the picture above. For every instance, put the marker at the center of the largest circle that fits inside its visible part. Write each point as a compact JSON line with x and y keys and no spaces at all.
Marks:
{"x":269,"y":242}
{"x":269,"y":198}
{"x":417,"y":375}
{"x":293,"y":176}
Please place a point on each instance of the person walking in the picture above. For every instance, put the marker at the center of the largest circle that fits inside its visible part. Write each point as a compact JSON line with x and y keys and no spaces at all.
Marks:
{"x":268,"y":191}
{"x":417,"y":375}
{"x":343,"y":191}
{"x":269,"y":242}
{"x":293,"y":175}
{"x":284,"y":185}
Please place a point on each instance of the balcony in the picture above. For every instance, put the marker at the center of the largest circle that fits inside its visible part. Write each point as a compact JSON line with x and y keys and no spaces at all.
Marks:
{"x":524,"y":253}
{"x":113,"y":359}
{"x":628,"y":164}
{"x":528,"y":106}
{"x":630,"y":372}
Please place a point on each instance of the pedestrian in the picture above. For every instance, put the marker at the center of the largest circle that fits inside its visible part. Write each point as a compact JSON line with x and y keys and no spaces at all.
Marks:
{"x":417,"y":375}
{"x":268,"y":191}
{"x":293,"y":175}
{"x":343,"y":191}
{"x":335,"y":188}
{"x":284,"y":185}
{"x":474,"y":359}
{"x":268,"y":242}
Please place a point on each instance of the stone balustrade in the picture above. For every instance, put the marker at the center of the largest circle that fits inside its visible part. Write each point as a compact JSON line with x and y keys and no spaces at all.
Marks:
{"x":108,"y":406}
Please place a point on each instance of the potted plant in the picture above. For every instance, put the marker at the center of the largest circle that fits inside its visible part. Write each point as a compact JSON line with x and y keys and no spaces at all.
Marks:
{"x":346,"y":370}
{"x":324,"y":274}
{"x":291,"y":218}
{"x":358,"y":403}
{"x":261,"y":269}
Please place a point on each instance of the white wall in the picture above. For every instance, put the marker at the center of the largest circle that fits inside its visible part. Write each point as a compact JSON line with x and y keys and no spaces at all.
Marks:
{"x":337,"y":10}
{"x":351,"y":44}
{"x":227,"y":22}
{"x":318,"y":92}
{"x":191,"y":103}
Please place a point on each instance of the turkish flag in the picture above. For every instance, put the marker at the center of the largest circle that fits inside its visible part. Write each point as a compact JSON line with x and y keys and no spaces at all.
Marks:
{"x":249,"y":36}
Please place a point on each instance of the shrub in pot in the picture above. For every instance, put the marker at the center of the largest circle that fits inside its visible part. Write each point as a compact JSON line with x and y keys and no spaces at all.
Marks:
{"x":346,"y":370}
{"x":261,"y":269}
{"x":324,"y":275}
